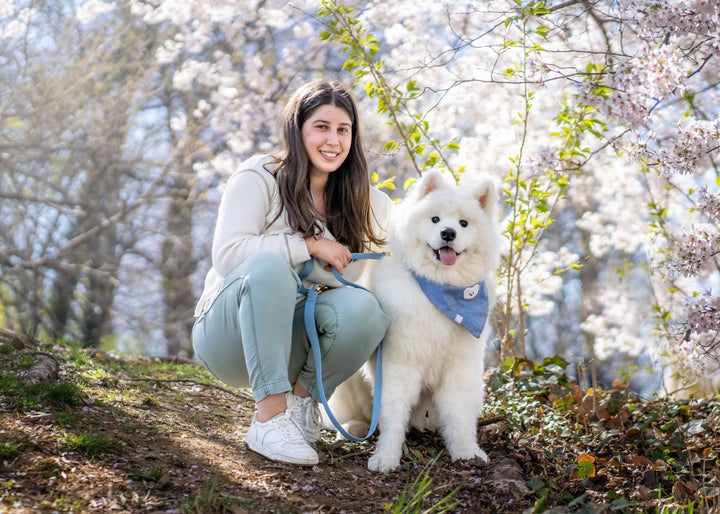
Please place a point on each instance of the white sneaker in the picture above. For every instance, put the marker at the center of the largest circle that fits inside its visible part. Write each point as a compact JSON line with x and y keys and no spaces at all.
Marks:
{"x":307,"y":414}
{"x":280,"y":439}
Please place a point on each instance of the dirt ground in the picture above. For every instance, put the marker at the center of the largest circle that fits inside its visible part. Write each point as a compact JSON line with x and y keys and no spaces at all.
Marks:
{"x":148,"y":436}
{"x":180,"y":449}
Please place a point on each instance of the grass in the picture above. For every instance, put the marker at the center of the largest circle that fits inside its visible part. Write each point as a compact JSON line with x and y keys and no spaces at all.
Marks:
{"x":64,"y":394}
{"x":150,"y":401}
{"x":28,"y":397}
{"x":10,"y":384}
{"x":9,"y":450}
{"x":209,"y":499}
{"x":417,"y":495}
{"x":25,"y":362}
{"x":47,"y":467}
{"x":65,"y":419}
{"x":90,"y":444}
{"x":147,"y":476}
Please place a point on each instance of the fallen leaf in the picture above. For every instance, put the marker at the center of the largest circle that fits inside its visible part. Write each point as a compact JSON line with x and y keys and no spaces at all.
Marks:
{"x":683,"y":490}
{"x":639,"y":460}
{"x":645,"y":493}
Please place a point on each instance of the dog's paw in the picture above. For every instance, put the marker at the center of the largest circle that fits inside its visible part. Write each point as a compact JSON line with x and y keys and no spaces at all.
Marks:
{"x":473,"y":453}
{"x":382,"y":463}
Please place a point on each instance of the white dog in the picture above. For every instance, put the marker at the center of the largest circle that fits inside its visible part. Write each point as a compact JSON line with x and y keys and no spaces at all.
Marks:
{"x":437,"y":288}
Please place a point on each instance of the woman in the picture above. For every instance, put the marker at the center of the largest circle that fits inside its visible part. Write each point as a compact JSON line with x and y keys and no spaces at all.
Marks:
{"x":312,"y":200}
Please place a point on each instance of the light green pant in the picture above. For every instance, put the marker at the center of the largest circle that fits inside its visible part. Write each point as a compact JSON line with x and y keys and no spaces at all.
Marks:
{"x":253,"y":334}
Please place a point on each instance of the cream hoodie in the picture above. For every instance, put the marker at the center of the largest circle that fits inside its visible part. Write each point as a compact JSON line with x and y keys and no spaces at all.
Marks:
{"x":245,"y":226}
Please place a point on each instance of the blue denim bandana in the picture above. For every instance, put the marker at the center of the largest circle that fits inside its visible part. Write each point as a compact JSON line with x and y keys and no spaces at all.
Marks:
{"x":467,"y":306}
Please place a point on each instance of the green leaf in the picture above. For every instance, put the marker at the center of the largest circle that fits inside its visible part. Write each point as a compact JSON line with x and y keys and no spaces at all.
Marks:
{"x":387,"y":183}
{"x":409,"y":182}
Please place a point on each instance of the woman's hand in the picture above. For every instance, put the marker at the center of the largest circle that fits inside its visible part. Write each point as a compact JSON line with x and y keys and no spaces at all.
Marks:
{"x":332,"y":252}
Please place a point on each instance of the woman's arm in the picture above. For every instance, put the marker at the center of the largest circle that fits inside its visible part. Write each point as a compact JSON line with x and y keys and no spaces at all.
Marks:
{"x":245,"y":207}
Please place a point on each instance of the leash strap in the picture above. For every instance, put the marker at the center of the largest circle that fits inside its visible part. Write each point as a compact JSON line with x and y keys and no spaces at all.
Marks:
{"x":309,"y":316}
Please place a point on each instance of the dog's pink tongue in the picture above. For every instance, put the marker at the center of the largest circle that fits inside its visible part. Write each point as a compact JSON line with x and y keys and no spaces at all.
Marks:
{"x":447,"y":255}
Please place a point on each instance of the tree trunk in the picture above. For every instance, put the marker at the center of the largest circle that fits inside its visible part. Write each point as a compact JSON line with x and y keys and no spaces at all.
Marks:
{"x":178,"y":266}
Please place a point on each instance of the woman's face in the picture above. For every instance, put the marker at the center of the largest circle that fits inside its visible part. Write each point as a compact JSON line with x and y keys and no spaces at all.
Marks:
{"x":327,"y":136}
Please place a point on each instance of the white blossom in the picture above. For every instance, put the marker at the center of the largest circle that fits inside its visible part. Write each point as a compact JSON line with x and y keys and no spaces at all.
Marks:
{"x":91,"y":9}
{"x":7,"y":7}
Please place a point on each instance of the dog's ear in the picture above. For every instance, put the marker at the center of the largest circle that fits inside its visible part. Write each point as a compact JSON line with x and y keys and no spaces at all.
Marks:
{"x":431,"y":180}
{"x":485,"y":193}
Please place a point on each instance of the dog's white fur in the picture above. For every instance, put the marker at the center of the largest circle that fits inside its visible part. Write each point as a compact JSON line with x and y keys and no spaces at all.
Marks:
{"x":433,"y":369}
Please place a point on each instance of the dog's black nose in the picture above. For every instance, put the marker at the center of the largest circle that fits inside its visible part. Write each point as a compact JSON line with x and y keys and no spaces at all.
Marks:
{"x":448,"y":234}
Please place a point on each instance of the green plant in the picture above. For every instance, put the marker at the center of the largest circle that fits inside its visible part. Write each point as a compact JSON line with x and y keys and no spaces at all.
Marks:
{"x":78,"y":353}
{"x":65,"y":505}
{"x":26,"y":361}
{"x":90,"y":444}
{"x":150,"y":401}
{"x":148,"y":476}
{"x":47,"y":467}
{"x":9,"y":383}
{"x":416,"y":494}
{"x":532,"y":195}
{"x":208,"y":499}
{"x":65,"y":418}
{"x":9,"y":449}
{"x":64,"y":394}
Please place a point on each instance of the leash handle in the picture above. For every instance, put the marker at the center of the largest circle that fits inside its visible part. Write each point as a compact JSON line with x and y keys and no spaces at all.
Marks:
{"x":309,"y":317}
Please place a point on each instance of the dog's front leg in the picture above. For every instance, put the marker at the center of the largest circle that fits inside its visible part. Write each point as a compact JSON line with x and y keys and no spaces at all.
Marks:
{"x":400,"y":393}
{"x":458,"y":400}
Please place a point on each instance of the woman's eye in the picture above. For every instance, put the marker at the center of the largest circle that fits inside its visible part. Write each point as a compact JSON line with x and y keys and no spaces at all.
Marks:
{"x":435,"y":219}
{"x":463,"y":223}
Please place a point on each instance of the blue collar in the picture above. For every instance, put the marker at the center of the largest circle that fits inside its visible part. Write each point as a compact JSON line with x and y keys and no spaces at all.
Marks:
{"x":467,"y":306}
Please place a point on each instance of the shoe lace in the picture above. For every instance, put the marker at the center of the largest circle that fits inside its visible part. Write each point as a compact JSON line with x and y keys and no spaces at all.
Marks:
{"x":308,"y":414}
{"x":291,"y":433}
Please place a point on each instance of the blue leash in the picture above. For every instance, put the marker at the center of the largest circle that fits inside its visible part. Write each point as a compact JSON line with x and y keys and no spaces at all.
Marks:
{"x":309,"y":314}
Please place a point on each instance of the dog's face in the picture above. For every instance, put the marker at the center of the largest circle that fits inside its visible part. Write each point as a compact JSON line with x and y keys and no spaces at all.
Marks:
{"x":448,"y":233}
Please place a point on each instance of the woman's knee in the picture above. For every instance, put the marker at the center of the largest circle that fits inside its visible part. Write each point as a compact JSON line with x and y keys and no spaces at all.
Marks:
{"x":270,"y":272}
{"x":370,"y":317}
{"x":358,"y":318}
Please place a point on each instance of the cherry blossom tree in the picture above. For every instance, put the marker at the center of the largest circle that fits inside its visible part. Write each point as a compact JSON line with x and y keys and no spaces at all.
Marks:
{"x":642,"y":84}
{"x":578,"y":109}
{"x":71,"y":181}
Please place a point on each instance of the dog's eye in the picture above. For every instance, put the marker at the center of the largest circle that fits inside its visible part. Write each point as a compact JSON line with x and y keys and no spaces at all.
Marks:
{"x":463,"y":223}
{"x":435,"y":219}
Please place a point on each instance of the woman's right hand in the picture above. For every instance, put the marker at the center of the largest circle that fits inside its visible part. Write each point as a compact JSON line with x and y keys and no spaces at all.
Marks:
{"x":332,"y":252}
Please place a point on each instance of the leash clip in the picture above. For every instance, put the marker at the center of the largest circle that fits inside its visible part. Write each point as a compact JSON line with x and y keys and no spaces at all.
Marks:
{"x":321,"y":288}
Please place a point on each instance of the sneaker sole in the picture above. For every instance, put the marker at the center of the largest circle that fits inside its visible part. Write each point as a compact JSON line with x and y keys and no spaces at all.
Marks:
{"x":289,"y":460}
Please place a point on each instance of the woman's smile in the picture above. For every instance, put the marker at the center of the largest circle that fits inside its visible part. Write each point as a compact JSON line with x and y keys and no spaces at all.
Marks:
{"x":327,"y":137}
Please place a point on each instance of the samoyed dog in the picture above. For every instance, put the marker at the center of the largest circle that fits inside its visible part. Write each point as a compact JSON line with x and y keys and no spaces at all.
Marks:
{"x":437,"y":288}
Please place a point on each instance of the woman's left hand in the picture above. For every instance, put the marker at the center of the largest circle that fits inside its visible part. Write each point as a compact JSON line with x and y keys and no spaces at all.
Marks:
{"x":332,"y":252}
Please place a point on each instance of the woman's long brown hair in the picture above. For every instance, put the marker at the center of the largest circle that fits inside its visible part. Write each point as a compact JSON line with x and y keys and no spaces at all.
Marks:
{"x":347,"y":193}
